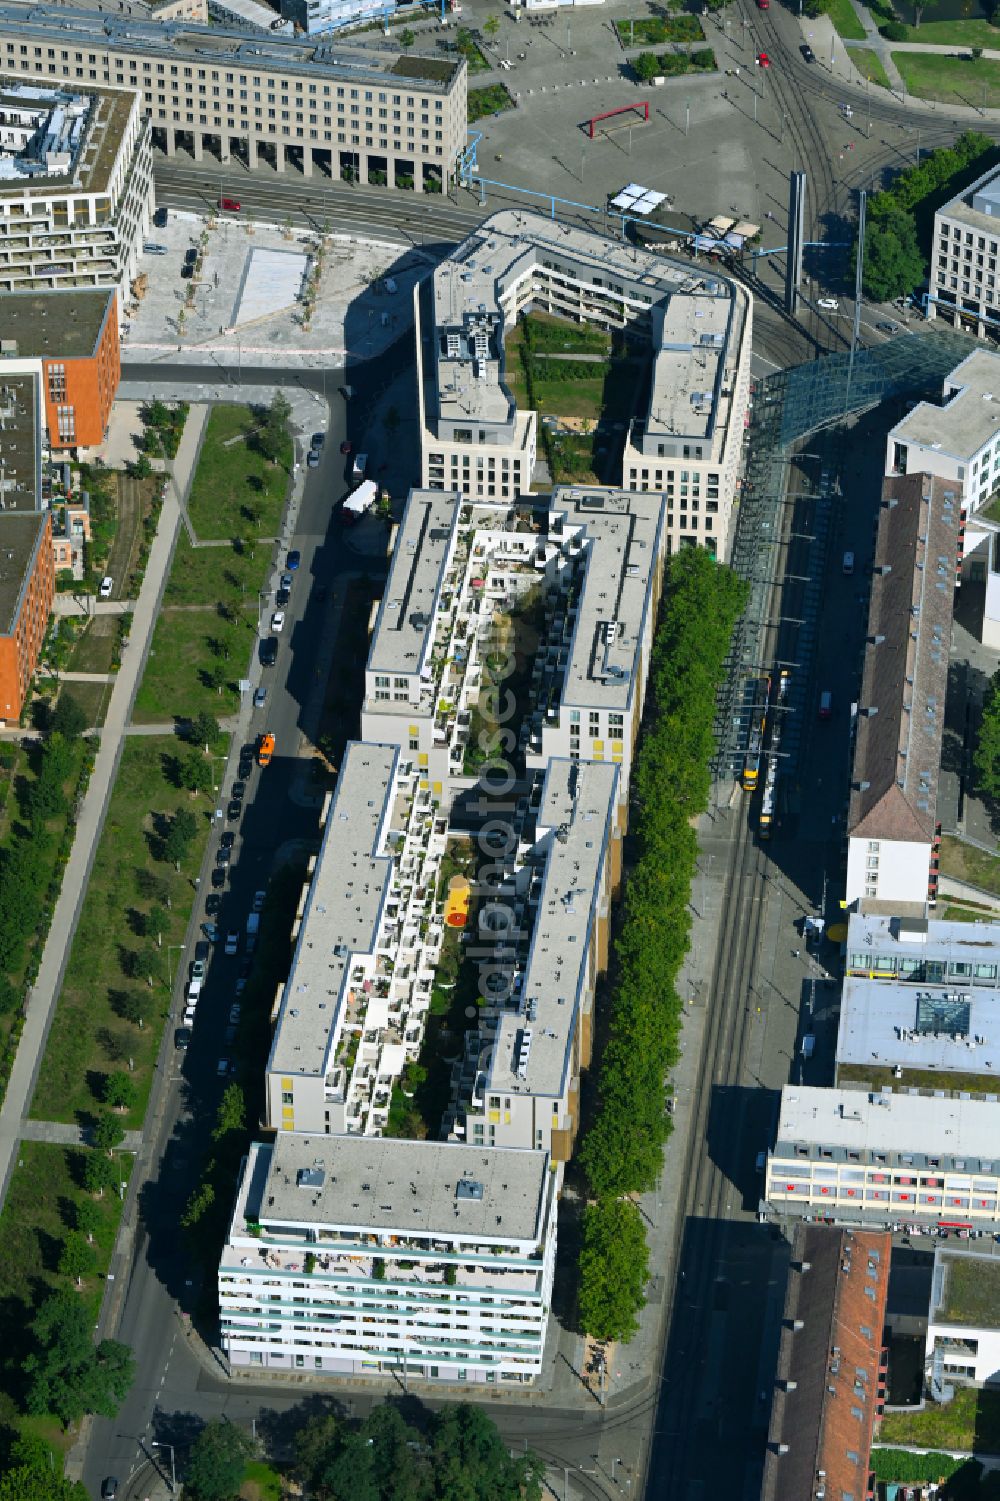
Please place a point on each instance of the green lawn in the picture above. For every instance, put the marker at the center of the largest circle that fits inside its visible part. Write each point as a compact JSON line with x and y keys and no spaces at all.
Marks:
{"x":951,"y":80}
{"x":88,"y":1037}
{"x":174,"y":684}
{"x":204,"y":575}
{"x":44,"y":1189}
{"x":95,"y":648}
{"x":869,"y":65}
{"x":967,"y":863}
{"x":92,"y":698}
{"x":234,"y":487}
{"x":844,"y":18}
{"x":261,"y":1483}
{"x":977,"y":33}
{"x":489,"y":101}
{"x":970,"y":1421}
{"x":971,"y":1290}
{"x":549,"y":334}
{"x":875,"y":1077}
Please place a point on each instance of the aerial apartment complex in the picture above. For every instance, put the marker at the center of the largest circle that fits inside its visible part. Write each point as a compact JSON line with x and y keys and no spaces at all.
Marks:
{"x":565,"y":592}
{"x":70,"y":339}
{"x":215,"y":89}
{"x":892,"y":826}
{"x":76,"y":181}
{"x":591,"y":563}
{"x":684,"y":446}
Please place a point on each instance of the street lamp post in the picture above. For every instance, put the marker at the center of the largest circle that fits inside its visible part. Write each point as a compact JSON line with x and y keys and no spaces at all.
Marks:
{"x":173,"y":1471}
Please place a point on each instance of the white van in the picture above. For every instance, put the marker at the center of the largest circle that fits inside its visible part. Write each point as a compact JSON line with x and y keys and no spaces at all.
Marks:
{"x":193,"y":992}
{"x":848,"y":563}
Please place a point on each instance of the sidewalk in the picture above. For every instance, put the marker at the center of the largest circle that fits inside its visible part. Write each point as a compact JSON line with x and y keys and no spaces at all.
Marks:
{"x":42,"y":1003}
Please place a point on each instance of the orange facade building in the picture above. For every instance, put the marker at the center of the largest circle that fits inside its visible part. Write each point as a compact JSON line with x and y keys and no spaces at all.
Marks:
{"x":74,"y":335}
{"x":27,"y":588}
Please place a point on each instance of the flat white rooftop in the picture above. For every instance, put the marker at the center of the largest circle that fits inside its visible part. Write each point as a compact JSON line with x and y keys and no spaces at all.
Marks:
{"x":342,"y":913}
{"x":889,"y":1123}
{"x":970,"y":416}
{"x":411,"y":1188}
{"x":920,"y":1026}
{"x":404,"y":627}
{"x":532,"y":1051}
{"x":623,"y":531}
{"x":689,"y":356}
{"x":910,"y":943}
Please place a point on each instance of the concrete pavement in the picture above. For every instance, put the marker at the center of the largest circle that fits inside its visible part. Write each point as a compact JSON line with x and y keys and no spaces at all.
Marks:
{"x":41,"y":1006}
{"x":60,"y":1134}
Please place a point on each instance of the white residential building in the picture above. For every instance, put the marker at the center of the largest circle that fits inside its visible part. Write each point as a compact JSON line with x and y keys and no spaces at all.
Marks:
{"x":958,"y":441}
{"x":921,"y":997}
{"x":76,"y":185}
{"x":414,"y":1258}
{"x":963,"y":275}
{"x":963,"y":1322}
{"x":686,"y":446}
{"x":892,"y":826}
{"x":590,"y":565}
{"x":884,"y":1158}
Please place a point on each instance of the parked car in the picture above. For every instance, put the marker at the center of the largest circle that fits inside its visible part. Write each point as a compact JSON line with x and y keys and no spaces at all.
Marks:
{"x":232,"y":942}
{"x":228,"y":839}
{"x":198,"y":969}
{"x":191,"y":255}
{"x":763,"y":61}
{"x":213,"y":902}
{"x":239,"y":791}
{"x":210,"y":931}
{"x":223,"y":854}
{"x":218,"y":878}
{"x":182,"y":1037}
{"x":278,"y":622}
{"x":235,"y":1012}
{"x":234,"y":810}
{"x":109,"y":1488}
{"x":807,"y":52}
{"x":187,"y":270}
{"x":318,"y":439}
{"x":225,"y":1067}
{"x":268,"y":651}
{"x":107,"y":584}
{"x":285,"y":584}
{"x":259,"y":898}
{"x":293,"y":560}
{"x":229,"y":1037}
{"x":202,"y":950}
{"x":259,"y":700}
{"x":241,"y":985}
{"x":346,"y":446}
{"x":312,"y":459}
{"x":152,"y":247}
{"x":160,"y":218}
{"x":229,"y":205}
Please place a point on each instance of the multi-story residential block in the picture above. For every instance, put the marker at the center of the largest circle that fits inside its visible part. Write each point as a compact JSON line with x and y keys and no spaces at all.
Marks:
{"x":959,"y":441}
{"x":963,"y":1323}
{"x":27,"y":586}
{"x":76,"y":184}
{"x":921,"y":998}
{"x":686,"y":446}
{"x":414,"y":1258}
{"x":71,"y":337}
{"x":353,"y":1007}
{"x":830,"y":1382}
{"x":519,"y":1083}
{"x":892,"y":827}
{"x":884,"y":1158}
{"x":963,"y":275}
{"x":216,"y":89}
{"x":22,"y":430}
{"x":586,"y":568}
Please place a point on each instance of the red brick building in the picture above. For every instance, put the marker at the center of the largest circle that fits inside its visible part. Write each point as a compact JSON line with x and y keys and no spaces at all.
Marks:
{"x":74,"y":334}
{"x":27,"y":587}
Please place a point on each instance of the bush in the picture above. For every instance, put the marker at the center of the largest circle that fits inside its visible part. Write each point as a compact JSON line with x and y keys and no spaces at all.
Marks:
{"x":894,"y":31}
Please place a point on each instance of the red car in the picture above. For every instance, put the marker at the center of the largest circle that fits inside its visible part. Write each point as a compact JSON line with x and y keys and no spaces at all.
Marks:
{"x":346,"y":447}
{"x":763,"y":61}
{"x":763,"y":4}
{"x":229,"y":205}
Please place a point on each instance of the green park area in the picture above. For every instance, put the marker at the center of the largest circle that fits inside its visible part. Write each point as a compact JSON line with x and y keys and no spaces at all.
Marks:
{"x":869,"y":65}
{"x":951,"y":80}
{"x":475,"y":59}
{"x":242,"y":477}
{"x":647,"y":31}
{"x":492,"y":100}
{"x":115,"y":996}
{"x":960,"y":32}
{"x":967,"y":862}
{"x":580,"y":377}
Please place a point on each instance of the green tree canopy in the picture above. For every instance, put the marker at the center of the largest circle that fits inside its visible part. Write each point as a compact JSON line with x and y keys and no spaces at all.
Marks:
{"x":98,"y":1172}
{"x":614,"y":1269}
{"x":77,"y":1258}
{"x":69,"y":718}
{"x":217,"y":1461}
{"x":87,"y":1218}
{"x":119,"y":1090}
{"x":108,"y":1132}
{"x":68,"y":1376}
{"x":204,"y":729}
{"x":33,"y":1483}
{"x":986,"y":759}
{"x":894,"y":264}
{"x":194,"y":771}
{"x":646,"y":66}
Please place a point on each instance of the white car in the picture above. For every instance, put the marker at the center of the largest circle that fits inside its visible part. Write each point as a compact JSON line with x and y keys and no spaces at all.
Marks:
{"x":232,"y":943}
{"x":830,"y":303}
{"x":107,"y":584}
{"x":278,"y":622}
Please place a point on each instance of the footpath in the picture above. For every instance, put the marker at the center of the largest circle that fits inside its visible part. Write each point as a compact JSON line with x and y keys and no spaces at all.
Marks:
{"x":41,"y":1005}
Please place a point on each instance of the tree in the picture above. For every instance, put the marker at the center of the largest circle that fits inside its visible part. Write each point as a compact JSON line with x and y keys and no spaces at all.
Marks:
{"x":154,"y":924}
{"x":271,"y":438}
{"x":108,"y":1133}
{"x":98,"y":1173}
{"x":141,"y":467}
{"x":816,"y":8}
{"x":491,"y":26}
{"x":986,"y":759}
{"x":66,"y":1375}
{"x":119,"y":1091}
{"x":35,"y":1483}
{"x":317,"y":1444}
{"x":406,"y":39}
{"x":231,"y":1117}
{"x":894,"y":265}
{"x":471,"y":1460}
{"x":69,"y":719}
{"x":919,"y":6}
{"x":204,"y":730}
{"x":76,"y":1259}
{"x":87,"y":1217}
{"x":195,"y":772}
{"x":217,"y":1461}
{"x":216,"y":676}
{"x":614,"y":1269}
{"x":129,"y":1005}
{"x":177,"y":841}
{"x":646,"y":66}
